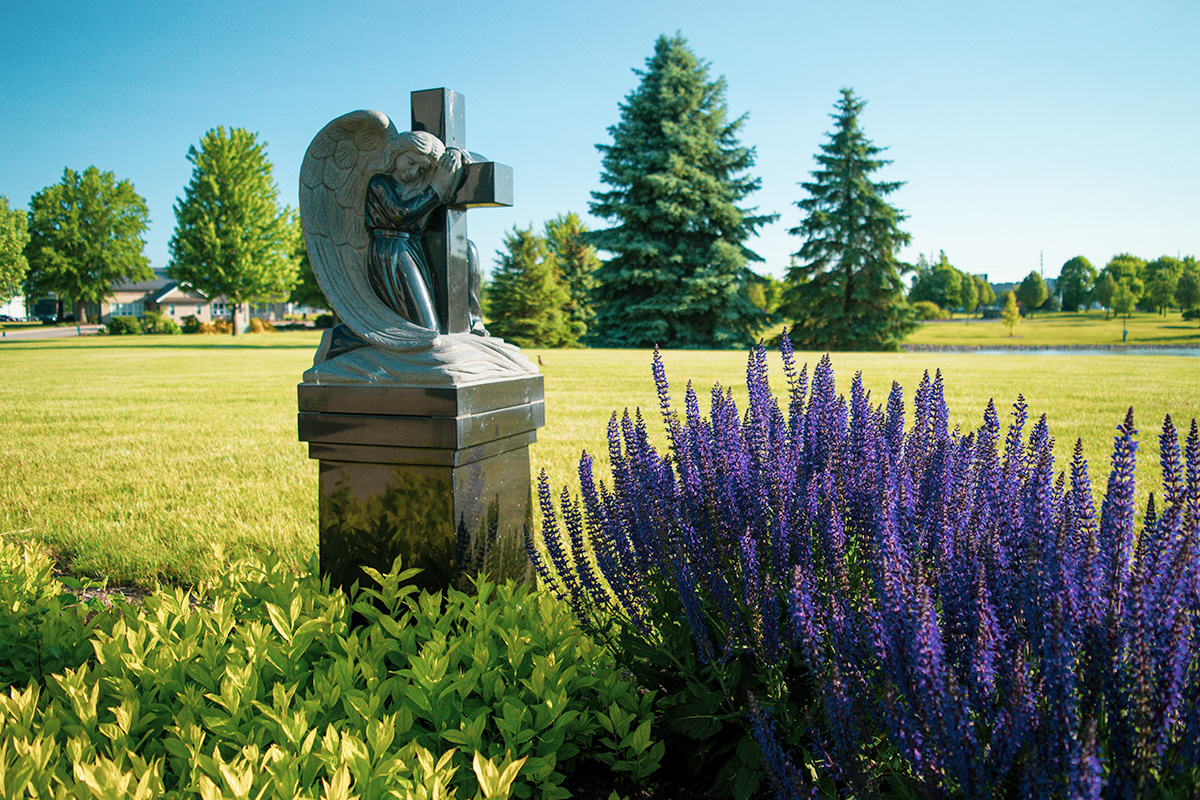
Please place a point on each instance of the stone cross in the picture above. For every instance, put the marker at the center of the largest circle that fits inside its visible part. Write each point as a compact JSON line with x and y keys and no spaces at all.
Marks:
{"x":488,"y":184}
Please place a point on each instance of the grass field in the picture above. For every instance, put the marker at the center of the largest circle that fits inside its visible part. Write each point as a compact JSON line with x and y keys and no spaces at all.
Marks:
{"x":1056,"y":329}
{"x":131,"y":457}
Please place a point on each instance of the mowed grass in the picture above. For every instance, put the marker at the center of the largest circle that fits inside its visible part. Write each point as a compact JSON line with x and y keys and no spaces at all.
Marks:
{"x":132,"y":457}
{"x":1057,"y":329}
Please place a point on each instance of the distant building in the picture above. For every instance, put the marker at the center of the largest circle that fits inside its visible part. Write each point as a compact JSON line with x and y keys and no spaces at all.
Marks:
{"x":175,"y":300}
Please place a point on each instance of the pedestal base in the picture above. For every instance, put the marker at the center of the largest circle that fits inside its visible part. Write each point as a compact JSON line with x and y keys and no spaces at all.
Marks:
{"x":439,"y":477}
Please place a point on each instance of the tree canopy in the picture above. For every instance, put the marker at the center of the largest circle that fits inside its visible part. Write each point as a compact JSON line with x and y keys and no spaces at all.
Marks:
{"x":1032,"y":292}
{"x":845,"y":290}
{"x":1075,"y":283}
{"x":1160,"y":277}
{"x":231,"y":237}
{"x":85,"y":234}
{"x":1011,"y":314}
{"x":14,"y":235}
{"x":677,"y":174}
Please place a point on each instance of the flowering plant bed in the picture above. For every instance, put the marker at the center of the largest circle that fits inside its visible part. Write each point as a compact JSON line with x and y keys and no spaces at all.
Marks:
{"x":837,"y":604}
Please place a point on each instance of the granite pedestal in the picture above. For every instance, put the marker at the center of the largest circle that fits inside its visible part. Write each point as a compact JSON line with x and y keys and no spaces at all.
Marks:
{"x":436,"y":475}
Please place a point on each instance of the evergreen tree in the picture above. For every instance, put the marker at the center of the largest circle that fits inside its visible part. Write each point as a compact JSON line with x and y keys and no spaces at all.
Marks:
{"x":14,"y":235}
{"x":846,"y":291}
{"x":85,"y":234}
{"x":575,"y":262}
{"x":1187,"y":290}
{"x":1032,"y":292}
{"x":231,"y":236}
{"x":525,"y":300}
{"x":677,"y":173}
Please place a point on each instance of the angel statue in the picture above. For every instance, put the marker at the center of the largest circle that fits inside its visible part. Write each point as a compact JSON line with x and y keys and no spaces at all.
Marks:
{"x":367,"y":194}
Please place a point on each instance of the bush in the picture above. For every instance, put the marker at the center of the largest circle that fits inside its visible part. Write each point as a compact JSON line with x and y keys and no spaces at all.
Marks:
{"x":124,"y":326}
{"x":1192,"y":314}
{"x":909,"y":613}
{"x":259,"y":685}
{"x":261,"y":326}
{"x":324,"y":321}
{"x":192,"y":324}
{"x":927,"y":310}
{"x":222,"y":325}
{"x":157,"y":322}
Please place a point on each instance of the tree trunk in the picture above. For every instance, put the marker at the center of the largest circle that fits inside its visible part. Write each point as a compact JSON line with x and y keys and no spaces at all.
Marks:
{"x":233,"y":318}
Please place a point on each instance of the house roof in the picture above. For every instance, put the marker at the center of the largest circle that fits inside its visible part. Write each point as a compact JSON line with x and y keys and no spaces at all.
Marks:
{"x":159,"y":287}
{"x":155,"y":284}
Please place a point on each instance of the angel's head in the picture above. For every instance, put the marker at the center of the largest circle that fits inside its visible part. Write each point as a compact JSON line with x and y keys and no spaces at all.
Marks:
{"x":417,"y":152}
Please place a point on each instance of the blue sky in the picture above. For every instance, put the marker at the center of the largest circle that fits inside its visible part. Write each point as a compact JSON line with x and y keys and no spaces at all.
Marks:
{"x":1024,"y":131}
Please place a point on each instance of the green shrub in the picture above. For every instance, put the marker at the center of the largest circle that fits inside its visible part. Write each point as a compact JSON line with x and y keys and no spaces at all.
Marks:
{"x":927,"y":310}
{"x":259,"y":685}
{"x":324,"y":321}
{"x":1192,"y":314}
{"x":261,"y":326}
{"x":157,"y":322}
{"x":124,"y":326}
{"x":222,"y":325}
{"x":192,"y":324}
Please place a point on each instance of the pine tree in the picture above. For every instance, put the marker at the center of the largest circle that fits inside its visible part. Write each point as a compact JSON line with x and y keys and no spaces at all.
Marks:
{"x":575,"y":262}
{"x":677,"y":172}
{"x":231,"y":237}
{"x":845,"y":289}
{"x":525,"y":300}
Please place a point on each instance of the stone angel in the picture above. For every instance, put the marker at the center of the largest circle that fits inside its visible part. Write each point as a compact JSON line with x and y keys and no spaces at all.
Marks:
{"x":367,"y":193}
{"x":360,"y":169}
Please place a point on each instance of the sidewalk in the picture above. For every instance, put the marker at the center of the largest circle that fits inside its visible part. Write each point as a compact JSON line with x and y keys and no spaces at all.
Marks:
{"x":48,"y":332}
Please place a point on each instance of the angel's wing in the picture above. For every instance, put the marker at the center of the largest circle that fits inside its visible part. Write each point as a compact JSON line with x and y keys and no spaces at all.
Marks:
{"x":333,"y":184}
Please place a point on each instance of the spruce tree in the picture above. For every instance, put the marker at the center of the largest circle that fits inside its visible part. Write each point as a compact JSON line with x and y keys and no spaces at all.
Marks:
{"x":677,"y":173}
{"x":575,"y":262}
{"x":525,"y":300}
{"x":845,"y":289}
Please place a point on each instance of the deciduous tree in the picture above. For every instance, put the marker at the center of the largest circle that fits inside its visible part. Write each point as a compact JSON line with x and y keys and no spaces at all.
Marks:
{"x":525,"y":301}
{"x":85,"y":234}
{"x":14,"y":235}
{"x":306,"y":291}
{"x":1011,"y":314}
{"x":987,"y":295}
{"x":1032,"y":292}
{"x":845,"y":290}
{"x":1160,"y":277}
{"x":1075,"y":283}
{"x":1105,"y":288}
{"x":232,"y":238}
{"x":1187,"y":291}
{"x":677,"y":174}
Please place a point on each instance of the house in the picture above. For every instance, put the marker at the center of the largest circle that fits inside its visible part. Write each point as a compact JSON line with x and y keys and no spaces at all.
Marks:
{"x":169,"y":297}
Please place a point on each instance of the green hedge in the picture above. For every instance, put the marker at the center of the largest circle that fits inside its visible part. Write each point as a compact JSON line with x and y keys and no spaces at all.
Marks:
{"x":267,"y":684}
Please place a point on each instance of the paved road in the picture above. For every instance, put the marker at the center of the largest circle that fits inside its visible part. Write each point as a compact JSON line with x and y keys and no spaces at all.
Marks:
{"x":47,"y":332}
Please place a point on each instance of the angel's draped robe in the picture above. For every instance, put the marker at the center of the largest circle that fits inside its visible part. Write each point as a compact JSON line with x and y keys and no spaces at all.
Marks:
{"x":397,"y":265}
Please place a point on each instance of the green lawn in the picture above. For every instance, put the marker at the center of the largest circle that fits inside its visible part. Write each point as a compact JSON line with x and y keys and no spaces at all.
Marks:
{"x":131,"y":457}
{"x":1056,"y":329}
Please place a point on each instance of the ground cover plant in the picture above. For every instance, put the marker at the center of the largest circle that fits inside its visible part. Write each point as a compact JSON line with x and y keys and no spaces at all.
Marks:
{"x":888,"y":607}
{"x":127,"y":456}
{"x":261,"y":685}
